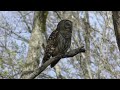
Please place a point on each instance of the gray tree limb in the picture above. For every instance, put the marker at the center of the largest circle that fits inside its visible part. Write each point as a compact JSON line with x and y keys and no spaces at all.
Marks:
{"x":35,"y":43}
{"x":47,"y":63}
{"x":116,"y":23}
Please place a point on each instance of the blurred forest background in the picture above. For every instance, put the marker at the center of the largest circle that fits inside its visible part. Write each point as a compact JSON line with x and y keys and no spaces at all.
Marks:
{"x":21,"y":32}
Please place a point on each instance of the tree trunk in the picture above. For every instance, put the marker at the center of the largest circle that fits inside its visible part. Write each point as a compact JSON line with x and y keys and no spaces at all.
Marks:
{"x":86,"y":60}
{"x":116,"y":23}
{"x":35,"y":43}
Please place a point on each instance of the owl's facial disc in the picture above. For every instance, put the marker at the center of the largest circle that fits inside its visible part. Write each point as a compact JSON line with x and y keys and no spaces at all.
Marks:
{"x":68,"y":25}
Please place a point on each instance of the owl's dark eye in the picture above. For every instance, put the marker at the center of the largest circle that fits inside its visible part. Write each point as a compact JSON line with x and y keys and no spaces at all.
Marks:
{"x":68,"y":25}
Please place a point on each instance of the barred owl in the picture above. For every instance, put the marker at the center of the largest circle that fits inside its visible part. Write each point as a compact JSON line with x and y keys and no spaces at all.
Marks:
{"x":59,"y":41}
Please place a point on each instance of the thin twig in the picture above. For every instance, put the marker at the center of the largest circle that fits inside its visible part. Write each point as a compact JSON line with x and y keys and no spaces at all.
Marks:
{"x":58,"y":15}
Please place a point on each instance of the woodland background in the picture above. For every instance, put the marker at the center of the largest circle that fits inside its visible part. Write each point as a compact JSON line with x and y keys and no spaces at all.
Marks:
{"x":23,"y":33}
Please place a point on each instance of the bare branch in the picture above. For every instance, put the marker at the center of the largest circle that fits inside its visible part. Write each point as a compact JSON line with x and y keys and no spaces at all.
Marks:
{"x":58,"y":15}
{"x":20,"y":37}
{"x":23,"y":16}
{"x":116,"y":23}
{"x":46,"y":64}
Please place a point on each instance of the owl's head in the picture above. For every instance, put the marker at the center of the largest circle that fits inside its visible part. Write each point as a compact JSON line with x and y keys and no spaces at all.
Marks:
{"x":65,"y":25}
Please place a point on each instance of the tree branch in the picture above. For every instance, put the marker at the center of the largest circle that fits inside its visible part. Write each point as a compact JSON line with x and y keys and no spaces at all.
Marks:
{"x":24,"y":20}
{"x":47,"y":63}
{"x":20,"y":37}
{"x":58,"y":15}
{"x":116,"y":24}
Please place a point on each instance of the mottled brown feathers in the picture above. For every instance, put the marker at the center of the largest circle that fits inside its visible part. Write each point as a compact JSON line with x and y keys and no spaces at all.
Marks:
{"x":59,"y":41}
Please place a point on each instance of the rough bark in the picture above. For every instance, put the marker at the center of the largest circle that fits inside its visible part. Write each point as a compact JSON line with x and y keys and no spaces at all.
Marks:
{"x":116,"y":24}
{"x":86,"y":61}
{"x":35,"y":43}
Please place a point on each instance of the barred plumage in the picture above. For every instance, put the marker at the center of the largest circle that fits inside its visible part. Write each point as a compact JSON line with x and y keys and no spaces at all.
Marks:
{"x":59,"y":41}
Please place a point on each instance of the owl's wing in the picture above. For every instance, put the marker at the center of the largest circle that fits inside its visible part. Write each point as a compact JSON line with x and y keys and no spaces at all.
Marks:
{"x":52,"y":37}
{"x":51,"y":45}
{"x":52,"y":41}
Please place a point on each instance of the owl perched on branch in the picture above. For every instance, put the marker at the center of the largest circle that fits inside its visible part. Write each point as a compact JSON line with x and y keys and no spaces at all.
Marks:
{"x":59,"y":41}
